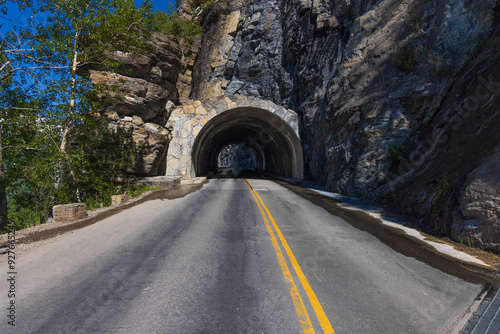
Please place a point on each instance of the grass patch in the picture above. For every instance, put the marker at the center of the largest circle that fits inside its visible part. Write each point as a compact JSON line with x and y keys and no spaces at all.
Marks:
{"x":466,"y":240}
{"x":445,"y":184}
{"x":137,"y":191}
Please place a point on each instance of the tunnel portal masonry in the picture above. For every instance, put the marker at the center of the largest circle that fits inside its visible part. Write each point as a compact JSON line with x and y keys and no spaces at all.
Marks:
{"x":201,"y":130}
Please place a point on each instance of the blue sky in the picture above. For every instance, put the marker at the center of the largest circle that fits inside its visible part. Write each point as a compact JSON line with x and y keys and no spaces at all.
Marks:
{"x":158,"y":4}
{"x":15,"y":17}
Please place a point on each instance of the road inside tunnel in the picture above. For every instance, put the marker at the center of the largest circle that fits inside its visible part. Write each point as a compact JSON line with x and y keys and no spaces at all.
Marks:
{"x":265,"y":143}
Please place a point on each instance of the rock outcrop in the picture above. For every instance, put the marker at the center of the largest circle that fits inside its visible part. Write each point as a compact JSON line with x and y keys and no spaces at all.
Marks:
{"x":146,"y":94}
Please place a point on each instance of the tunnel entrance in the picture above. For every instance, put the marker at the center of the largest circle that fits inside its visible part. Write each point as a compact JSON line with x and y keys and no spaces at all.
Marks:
{"x":234,"y":131}
{"x":248,"y":138}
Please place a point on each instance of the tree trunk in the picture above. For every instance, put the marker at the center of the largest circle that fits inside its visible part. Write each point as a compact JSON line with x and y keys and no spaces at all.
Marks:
{"x":3,"y":194}
{"x":62,"y":152}
{"x":67,"y":128}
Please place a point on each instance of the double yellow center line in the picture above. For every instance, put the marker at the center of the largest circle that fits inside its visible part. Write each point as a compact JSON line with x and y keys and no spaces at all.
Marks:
{"x":305,"y":321}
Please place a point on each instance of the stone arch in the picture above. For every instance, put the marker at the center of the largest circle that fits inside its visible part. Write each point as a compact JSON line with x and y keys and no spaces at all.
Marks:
{"x":202,"y":129}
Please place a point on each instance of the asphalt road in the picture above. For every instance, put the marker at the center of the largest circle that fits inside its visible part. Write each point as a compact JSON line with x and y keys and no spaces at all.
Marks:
{"x":208,"y":263}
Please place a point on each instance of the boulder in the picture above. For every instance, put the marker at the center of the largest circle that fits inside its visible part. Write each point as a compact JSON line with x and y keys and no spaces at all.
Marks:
{"x":480,"y":205}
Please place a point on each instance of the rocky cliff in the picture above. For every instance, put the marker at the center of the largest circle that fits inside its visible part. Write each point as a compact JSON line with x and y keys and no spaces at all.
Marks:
{"x":147,"y":93}
{"x":398,"y":99}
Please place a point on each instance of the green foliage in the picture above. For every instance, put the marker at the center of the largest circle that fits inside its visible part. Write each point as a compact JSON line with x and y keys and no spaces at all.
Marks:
{"x":406,"y":59}
{"x":467,"y":240}
{"x":139,"y":190}
{"x":54,"y":146}
{"x":91,"y":162}
{"x":445,"y":184}
{"x":98,"y":156}
{"x":398,"y":151}
{"x":22,"y":4}
{"x":207,"y":5}
{"x":23,"y":217}
{"x":173,"y":24}
{"x":92,"y":27}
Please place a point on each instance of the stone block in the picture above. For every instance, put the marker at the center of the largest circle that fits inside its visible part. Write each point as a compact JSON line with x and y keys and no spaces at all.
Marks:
{"x":119,"y":199}
{"x":69,"y":212}
{"x":200,"y":110}
{"x":189,"y":109}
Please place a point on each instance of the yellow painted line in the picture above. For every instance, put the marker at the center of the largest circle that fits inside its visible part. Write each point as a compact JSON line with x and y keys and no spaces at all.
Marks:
{"x":320,"y":313}
{"x":305,"y":321}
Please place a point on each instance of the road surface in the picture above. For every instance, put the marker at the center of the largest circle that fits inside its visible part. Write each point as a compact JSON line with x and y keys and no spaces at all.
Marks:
{"x":233,"y":257}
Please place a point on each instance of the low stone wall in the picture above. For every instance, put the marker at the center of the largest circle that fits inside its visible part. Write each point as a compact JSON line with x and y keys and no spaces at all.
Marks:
{"x":68,"y":212}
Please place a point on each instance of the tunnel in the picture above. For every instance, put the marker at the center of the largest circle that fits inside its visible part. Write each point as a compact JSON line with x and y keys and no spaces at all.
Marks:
{"x":269,"y":143}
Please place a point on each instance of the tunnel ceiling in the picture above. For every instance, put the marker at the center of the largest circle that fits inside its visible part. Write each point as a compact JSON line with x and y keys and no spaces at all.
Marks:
{"x":277,"y":149}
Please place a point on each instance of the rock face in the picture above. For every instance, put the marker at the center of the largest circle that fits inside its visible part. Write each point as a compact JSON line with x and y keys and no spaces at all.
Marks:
{"x":241,"y":51}
{"x":480,"y":203}
{"x":386,"y":91}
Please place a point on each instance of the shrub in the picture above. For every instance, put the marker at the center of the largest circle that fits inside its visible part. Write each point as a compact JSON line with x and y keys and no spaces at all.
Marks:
{"x":414,"y":17}
{"x":174,"y":24}
{"x":396,"y":152}
{"x":445,"y":184}
{"x":406,"y":60}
